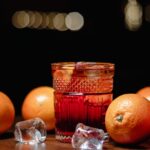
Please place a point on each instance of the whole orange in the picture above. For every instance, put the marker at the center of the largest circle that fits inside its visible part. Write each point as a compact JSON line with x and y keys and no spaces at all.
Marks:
{"x":7,"y":112}
{"x":145,"y":92}
{"x":127,"y":119}
{"x":39,"y":102}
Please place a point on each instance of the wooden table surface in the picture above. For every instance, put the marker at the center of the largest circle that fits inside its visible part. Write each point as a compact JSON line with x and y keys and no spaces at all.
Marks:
{"x":7,"y":142}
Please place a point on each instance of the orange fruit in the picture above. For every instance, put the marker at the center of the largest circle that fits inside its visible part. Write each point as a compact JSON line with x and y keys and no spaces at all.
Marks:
{"x":7,"y":112}
{"x":39,"y":102}
{"x":145,"y":92}
{"x":127,"y":119}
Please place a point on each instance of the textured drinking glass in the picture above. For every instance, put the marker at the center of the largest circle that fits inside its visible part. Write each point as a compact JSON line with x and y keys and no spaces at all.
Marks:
{"x":83,"y":91}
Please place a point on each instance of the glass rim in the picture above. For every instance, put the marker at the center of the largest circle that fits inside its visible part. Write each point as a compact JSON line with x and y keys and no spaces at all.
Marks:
{"x":84,"y":65}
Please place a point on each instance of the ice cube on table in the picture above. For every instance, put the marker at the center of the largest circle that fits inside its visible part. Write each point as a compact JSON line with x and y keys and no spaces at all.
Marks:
{"x":86,"y":137}
{"x":30,"y":131}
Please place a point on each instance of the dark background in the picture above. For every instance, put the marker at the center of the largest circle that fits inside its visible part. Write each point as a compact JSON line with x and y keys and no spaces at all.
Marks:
{"x":26,"y":54}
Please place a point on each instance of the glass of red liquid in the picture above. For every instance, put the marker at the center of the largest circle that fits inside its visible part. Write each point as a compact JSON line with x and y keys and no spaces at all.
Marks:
{"x":83,"y":91}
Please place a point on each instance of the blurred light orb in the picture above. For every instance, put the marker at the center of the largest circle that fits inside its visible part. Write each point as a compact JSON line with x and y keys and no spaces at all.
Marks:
{"x":31,"y":18}
{"x":59,"y":22}
{"x":45,"y":20}
{"x":51,"y":16}
{"x":74,"y":21}
{"x":38,"y":20}
{"x":20,"y":19}
{"x":133,"y":15}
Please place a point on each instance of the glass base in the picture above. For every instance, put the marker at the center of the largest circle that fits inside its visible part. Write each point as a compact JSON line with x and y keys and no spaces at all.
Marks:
{"x":64,"y":137}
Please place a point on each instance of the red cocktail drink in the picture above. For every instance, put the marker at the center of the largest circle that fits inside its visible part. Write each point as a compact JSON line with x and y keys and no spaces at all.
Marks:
{"x":83,"y":91}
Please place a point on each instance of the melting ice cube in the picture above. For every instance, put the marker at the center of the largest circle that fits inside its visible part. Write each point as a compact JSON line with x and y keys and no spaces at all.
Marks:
{"x":30,"y":131}
{"x":86,"y":137}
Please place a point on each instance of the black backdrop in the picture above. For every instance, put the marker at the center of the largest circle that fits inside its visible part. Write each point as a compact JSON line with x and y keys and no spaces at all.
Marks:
{"x":26,"y":54}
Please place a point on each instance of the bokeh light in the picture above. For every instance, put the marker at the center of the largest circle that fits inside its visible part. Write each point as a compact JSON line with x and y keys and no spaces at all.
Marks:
{"x":59,"y":22}
{"x":45,"y":20}
{"x":48,"y":20}
{"x":74,"y":21}
{"x":31,"y":18}
{"x":38,"y":20}
{"x":51,"y":16}
{"x":133,"y":15}
{"x":20,"y":19}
